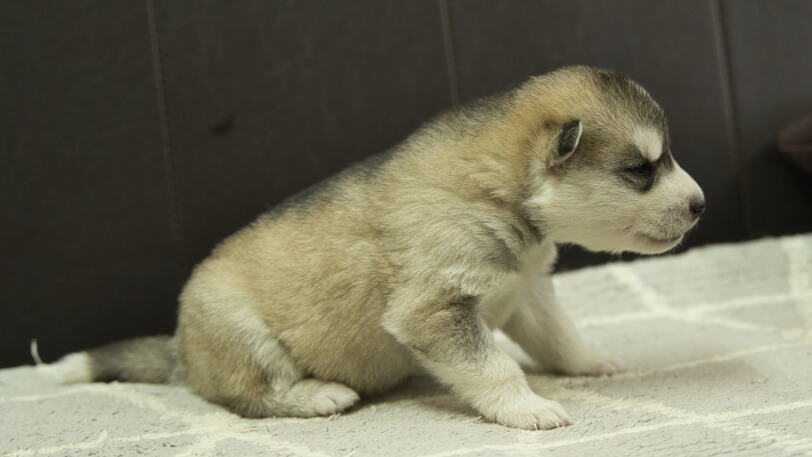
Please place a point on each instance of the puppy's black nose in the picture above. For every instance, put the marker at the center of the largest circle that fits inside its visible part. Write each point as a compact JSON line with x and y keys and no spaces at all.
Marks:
{"x":697,"y":207}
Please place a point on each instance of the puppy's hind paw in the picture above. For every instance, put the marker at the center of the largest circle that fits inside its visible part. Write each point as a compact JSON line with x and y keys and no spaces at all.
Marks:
{"x":335,"y":398}
{"x":325,"y":398}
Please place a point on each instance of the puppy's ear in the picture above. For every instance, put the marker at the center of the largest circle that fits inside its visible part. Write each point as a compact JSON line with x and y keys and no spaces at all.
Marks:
{"x":568,"y":139}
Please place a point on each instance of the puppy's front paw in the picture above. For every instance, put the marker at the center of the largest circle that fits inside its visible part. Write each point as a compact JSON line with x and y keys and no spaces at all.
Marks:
{"x":590,"y":362}
{"x":534,"y":413}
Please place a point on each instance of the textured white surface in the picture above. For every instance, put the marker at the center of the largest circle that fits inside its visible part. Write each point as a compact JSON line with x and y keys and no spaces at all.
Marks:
{"x":718,"y":341}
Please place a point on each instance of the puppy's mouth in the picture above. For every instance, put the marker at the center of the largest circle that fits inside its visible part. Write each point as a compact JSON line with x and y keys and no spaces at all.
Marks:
{"x":657,"y":241}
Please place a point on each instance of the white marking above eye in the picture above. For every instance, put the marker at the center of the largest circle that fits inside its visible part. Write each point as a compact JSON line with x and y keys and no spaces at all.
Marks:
{"x":649,"y":141}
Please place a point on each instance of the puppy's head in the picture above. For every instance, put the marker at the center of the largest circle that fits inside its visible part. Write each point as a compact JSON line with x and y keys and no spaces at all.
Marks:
{"x":601,"y":172}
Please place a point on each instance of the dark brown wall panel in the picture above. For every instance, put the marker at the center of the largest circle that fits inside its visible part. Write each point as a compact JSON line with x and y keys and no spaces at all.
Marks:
{"x":770,"y":43}
{"x":86,"y":248}
{"x":267,"y":98}
{"x":668,"y":46}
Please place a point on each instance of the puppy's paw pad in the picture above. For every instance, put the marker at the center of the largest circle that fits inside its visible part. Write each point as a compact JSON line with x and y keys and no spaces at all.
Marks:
{"x":536,"y":414}
{"x":332,"y":398}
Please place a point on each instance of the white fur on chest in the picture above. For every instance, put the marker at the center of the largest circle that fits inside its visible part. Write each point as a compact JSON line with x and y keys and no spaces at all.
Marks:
{"x":499,"y":303}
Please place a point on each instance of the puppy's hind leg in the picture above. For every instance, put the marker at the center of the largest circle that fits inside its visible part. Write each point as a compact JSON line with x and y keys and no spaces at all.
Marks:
{"x":310,"y":397}
{"x":283,"y":389}
{"x":241,"y":365}
{"x":544,"y":331}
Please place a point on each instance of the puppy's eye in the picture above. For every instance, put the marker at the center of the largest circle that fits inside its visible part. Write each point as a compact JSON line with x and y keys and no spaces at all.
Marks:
{"x":643,"y":170}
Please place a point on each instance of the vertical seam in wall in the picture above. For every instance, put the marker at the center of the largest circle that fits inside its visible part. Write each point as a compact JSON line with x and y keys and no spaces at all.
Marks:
{"x":176,"y":220}
{"x":450,"y":59}
{"x":730,"y":105}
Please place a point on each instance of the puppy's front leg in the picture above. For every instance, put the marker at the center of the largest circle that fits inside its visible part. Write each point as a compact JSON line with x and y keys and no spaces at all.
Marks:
{"x":545,"y":332}
{"x":454,"y":344}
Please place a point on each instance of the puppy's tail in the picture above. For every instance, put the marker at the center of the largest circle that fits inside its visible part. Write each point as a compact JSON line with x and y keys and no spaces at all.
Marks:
{"x":149,"y":360}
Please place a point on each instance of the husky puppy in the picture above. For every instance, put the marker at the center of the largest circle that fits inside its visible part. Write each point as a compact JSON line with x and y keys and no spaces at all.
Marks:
{"x":410,"y":259}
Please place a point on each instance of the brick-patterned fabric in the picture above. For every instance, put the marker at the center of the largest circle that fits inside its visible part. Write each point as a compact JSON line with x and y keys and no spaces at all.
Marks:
{"x":718,"y":341}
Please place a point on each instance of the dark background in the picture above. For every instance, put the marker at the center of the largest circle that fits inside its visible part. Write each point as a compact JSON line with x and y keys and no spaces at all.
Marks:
{"x":136,"y":135}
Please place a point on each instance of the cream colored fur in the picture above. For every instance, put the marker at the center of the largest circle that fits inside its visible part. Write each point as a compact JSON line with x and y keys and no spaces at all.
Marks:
{"x":409,"y":261}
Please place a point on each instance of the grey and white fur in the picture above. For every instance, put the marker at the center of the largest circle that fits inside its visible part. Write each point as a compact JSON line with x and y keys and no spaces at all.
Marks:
{"x":409,"y":260}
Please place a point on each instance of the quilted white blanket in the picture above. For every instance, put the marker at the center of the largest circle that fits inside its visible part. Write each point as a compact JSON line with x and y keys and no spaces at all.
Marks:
{"x":718,"y":341}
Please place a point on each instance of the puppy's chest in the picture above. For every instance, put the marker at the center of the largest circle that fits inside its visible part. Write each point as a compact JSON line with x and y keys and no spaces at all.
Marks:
{"x":496,"y":305}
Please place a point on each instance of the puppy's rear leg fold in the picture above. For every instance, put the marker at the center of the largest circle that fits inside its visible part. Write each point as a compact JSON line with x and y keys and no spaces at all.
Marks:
{"x":311,"y":397}
{"x":455,"y":345}
{"x":239,"y":363}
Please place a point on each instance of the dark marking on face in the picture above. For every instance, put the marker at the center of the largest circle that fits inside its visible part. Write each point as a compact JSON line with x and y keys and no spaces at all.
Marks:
{"x":618,"y":87}
{"x":639,"y":172}
{"x":639,"y":176}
